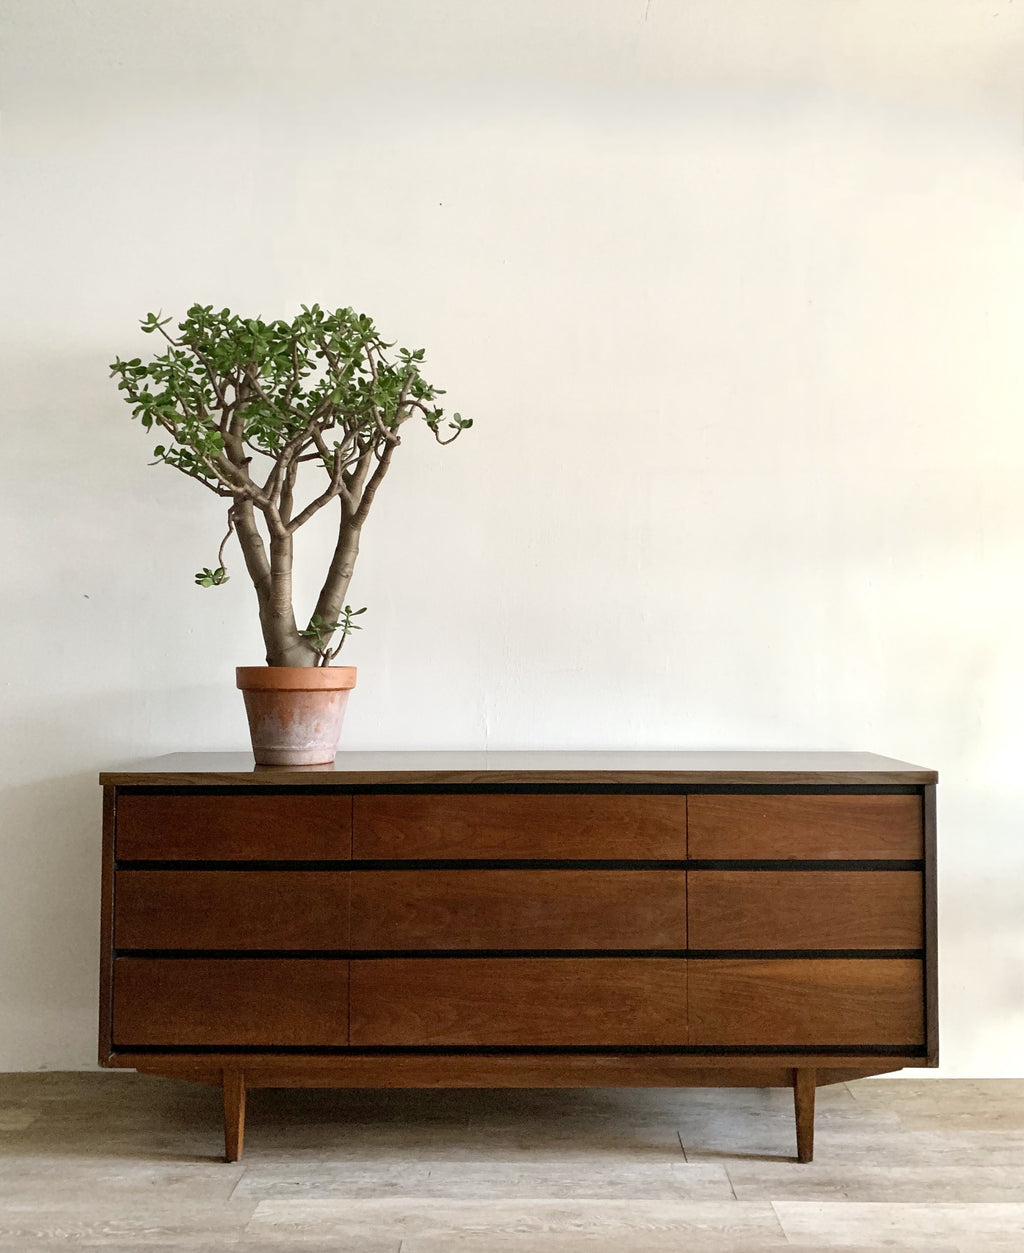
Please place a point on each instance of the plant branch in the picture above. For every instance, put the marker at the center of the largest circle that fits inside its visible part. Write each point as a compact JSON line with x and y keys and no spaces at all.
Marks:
{"x":370,"y":490}
{"x":451,"y":438}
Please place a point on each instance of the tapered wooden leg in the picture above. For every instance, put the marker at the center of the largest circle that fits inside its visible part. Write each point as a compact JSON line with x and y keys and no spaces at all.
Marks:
{"x":803,"y":1103}
{"x":234,"y":1114}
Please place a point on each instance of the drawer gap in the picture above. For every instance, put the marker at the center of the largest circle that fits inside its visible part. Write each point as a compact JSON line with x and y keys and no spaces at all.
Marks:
{"x":760,"y":954}
{"x":523,"y":863}
{"x":449,"y":863}
{"x":526,"y":1050}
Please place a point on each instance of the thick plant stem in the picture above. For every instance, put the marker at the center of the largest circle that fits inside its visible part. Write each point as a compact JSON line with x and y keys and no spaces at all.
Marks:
{"x":335,"y":588}
{"x":272,"y":579}
{"x":284,"y":645}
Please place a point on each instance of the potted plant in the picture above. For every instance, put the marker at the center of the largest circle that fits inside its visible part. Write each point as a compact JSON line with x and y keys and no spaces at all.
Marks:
{"x":245,"y":405}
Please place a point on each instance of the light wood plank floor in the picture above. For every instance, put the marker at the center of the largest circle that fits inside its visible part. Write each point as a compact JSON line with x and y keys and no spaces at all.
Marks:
{"x":125,"y":1162}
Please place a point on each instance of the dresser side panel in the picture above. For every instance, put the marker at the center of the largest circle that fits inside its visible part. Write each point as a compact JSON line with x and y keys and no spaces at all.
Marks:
{"x":107,"y":924}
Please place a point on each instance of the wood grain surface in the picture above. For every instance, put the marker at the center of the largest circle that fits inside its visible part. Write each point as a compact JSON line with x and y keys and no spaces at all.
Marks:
{"x":232,"y":909}
{"x":106,"y":926}
{"x":518,"y":1001}
{"x":805,"y":827}
{"x":513,"y":1070}
{"x":241,"y":827}
{"x":805,"y":909}
{"x":518,"y":909}
{"x":931,"y":928}
{"x":230,"y":1001}
{"x":803,"y":1107}
{"x":462,"y":769}
{"x":806,"y":1001}
{"x":516,"y":825}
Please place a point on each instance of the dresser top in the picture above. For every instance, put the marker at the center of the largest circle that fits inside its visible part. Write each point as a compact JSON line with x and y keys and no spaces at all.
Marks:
{"x":467,"y":768}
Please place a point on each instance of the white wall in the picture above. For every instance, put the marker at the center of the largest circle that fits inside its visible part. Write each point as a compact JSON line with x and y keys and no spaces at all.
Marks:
{"x":734,"y":290}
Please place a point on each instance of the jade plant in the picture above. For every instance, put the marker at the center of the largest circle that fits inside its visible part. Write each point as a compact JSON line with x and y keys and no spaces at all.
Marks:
{"x":243,"y":405}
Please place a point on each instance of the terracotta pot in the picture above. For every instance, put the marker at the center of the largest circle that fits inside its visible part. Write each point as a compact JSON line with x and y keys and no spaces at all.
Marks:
{"x":295,"y":712}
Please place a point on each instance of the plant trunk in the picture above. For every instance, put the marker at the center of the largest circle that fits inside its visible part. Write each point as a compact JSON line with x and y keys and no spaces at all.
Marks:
{"x":272,"y":580}
{"x":284,"y":652}
{"x":285,"y":647}
{"x":332,"y":596}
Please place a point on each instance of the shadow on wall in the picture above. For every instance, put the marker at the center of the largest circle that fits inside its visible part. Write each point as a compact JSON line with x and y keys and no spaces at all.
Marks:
{"x":49,"y":903}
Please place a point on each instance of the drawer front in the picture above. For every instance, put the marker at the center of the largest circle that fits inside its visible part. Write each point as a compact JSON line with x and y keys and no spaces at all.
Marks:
{"x":518,"y":1001}
{"x":815,"y":1001}
{"x":518,"y":909}
{"x":244,"y":827}
{"x":231,"y":909}
{"x":805,"y":827}
{"x":233,"y":1001}
{"x":805,"y":909}
{"x":520,"y":826}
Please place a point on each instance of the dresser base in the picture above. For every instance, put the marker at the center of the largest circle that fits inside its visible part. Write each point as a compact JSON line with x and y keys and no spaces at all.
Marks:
{"x":236,"y":1074}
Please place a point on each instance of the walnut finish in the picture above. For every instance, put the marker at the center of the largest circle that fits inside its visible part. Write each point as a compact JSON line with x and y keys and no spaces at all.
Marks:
{"x":821,"y":1002}
{"x":233,"y":1083}
{"x":812,"y":827}
{"x":440,"y":1068}
{"x":803,"y":1106}
{"x":520,"y":826}
{"x":545,"y":1002}
{"x":516,"y":769}
{"x":519,"y":909}
{"x":523,"y":919}
{"x":232,"y":909}
{"x":805,"y":909}
{"x":177,"y":1002}
{"x":237,"y":828}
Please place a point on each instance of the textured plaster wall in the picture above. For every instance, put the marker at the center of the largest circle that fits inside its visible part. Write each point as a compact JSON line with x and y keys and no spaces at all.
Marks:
{"x":734,"y":290}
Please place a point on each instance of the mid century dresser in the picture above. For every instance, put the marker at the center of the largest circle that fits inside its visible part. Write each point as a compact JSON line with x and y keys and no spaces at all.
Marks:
{"x":520,"y":919}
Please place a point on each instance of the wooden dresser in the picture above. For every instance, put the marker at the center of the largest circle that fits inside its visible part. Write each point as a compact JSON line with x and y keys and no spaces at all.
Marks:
{"x":520,"y":919}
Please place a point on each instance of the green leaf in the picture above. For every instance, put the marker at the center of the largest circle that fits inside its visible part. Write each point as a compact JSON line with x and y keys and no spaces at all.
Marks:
{"x":311,"y":374}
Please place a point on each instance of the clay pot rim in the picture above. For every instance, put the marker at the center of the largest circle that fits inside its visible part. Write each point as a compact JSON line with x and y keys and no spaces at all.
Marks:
{"x":295,"y":678}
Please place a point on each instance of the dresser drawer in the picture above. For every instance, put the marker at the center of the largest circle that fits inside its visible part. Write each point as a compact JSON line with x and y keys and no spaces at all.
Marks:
{"x":805,"y":909}
{"x":518,"y":1001}
{"x":250,"y":826}
{"x":806,"y":1002}
{"x":231,"y":909}
{"x":855,"y":827}
{"x":520,"y":826}
{"x":518,"y":909}
{"x":229,"y":1001}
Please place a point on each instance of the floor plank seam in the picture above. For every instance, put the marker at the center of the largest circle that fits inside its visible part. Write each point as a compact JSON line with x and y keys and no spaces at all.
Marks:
{"x":778,"y":1220}
{"x":231,"y":1194}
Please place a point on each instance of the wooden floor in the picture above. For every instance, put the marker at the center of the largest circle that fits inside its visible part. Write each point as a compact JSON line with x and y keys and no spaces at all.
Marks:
{"x":123,"y":1162}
